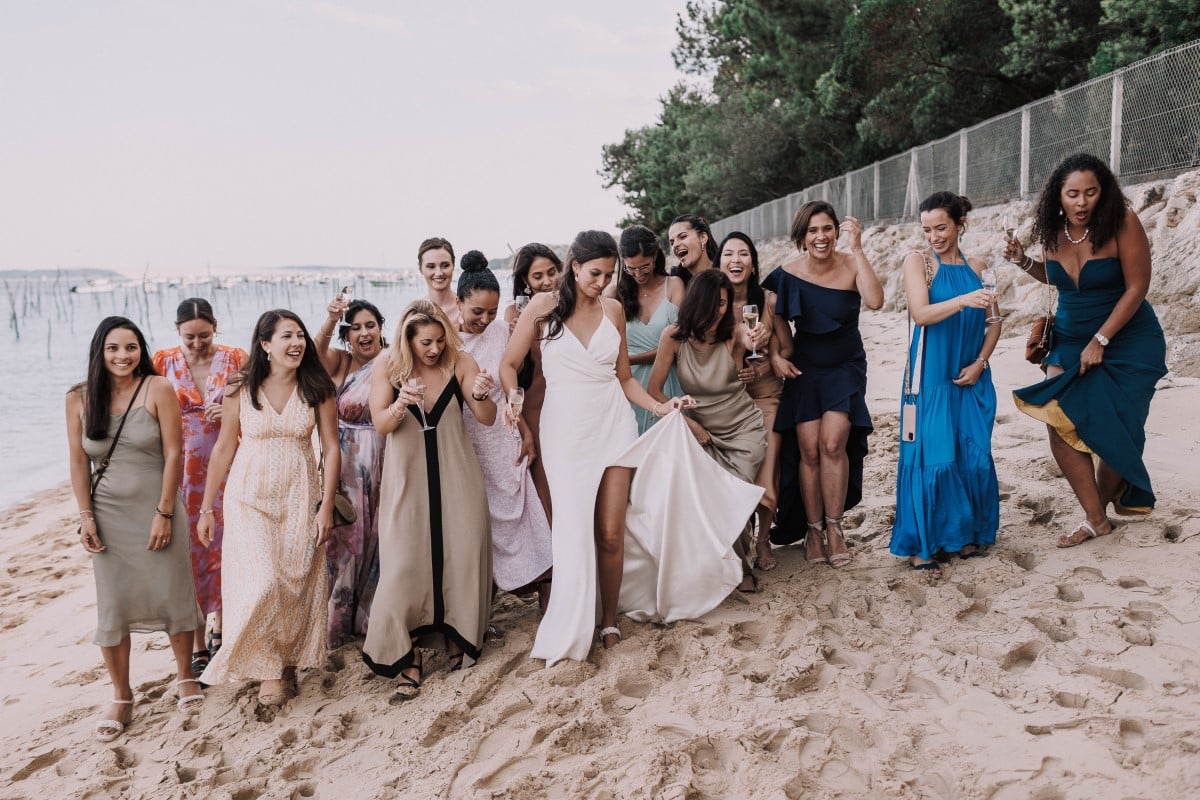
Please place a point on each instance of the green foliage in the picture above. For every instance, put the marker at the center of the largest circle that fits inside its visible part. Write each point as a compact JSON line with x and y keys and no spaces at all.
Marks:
{"x":782,"y":94}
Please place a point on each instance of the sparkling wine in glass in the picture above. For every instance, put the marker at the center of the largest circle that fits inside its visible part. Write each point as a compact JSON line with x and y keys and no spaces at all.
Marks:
{"x":417,"y":386}
{"x":520,"y":301}
{"x":988,"y":276}
{"x":1008,"y":224}
{"x":516,"y":401}
{"x":750,"y":317}
{"x":346,"y":295}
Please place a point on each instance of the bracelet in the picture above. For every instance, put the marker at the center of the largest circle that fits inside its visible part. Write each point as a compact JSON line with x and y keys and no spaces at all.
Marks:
{"x":83,"y":512}
{"x":654,"y":410}
{"x":1026,"y":263}
{"x":398,"y":416}
{"x":983,"y":361}
{"x":204,"y":511}
{"x":162,"y":513}
{"x":477,"y":398}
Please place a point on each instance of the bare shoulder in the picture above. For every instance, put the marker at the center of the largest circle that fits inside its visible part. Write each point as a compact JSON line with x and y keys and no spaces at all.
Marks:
{"x":541,"y":303}
{"x":75,"y":396}
{"x":613,"y":308}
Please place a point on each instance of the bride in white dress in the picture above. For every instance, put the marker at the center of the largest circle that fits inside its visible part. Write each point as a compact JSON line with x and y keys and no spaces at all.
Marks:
{"x":655,"y":509}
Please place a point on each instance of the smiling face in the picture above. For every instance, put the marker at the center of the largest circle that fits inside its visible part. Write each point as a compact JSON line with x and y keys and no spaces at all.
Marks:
{"x":479,"y":309}
{"x":687,"y":244}
{"x":286,"y":345}
{"x":427,"y":342}
{"x":592,"y":277}
{"x":542,"y":276}
{"x":820,"y":238}
{"x":736,"y":261}
{"x":197,"y":336}
{"x":1080,"y":195}
{"x":437,"y":268}
{"x":364,"y":335}
{"x":122,"y":353}
{"x":940,"y":231}
{"x":640,"y":268}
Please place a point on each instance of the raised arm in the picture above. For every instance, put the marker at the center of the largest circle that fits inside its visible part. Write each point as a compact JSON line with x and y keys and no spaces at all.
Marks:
{"x":865,"y":280}
{"x":389,"y":408}
{"x":333,"y":360}
{"x":478,"y":384}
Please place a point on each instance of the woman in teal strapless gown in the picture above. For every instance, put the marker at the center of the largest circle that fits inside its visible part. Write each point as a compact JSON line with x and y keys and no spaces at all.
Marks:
{"x":1108,"y":349}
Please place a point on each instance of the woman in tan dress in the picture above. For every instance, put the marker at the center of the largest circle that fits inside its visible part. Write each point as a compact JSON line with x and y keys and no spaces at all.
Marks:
{"x":274,"y":584}
{"x":435,"y":554}
{"x":707,"y":348}
{"x":130,"y":516}
{"x":739,"y":260}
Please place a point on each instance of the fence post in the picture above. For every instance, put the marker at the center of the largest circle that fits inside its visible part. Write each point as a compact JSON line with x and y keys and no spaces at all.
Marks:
{"x":849,"y":194}
{"x":875,"y":192}
{"x":1024,"y":185}
{"x":962,"y":161}
{"x":1114,"y":137}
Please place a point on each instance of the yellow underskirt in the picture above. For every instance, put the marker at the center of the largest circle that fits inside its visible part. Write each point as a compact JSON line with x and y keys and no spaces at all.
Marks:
{"x":1053,"y":415}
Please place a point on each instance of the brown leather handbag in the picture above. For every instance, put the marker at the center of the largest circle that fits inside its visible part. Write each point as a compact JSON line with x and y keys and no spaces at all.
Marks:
{"x":1041,"y":335}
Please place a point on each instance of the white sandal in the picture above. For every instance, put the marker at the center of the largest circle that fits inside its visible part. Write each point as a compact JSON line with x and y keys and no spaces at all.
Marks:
{"x":609,"y":631}
{"x":109,"y":729}
{"x":193,"y":701}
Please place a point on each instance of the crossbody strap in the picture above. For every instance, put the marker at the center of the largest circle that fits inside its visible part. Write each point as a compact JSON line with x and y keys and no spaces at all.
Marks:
{"x":102,"y":467}
{"x":912,"y":372}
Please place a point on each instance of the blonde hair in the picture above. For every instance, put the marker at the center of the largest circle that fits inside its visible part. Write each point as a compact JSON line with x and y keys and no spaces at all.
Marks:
{"x":399,"y":357}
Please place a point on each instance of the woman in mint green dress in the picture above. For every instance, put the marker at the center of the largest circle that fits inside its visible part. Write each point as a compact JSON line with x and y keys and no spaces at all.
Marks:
{"x":644,"y":290}
{"x":1108,"y":350}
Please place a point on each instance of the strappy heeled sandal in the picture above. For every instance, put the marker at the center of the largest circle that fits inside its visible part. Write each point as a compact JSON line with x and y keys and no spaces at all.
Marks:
{"x":407,"y":687}
{"x":109,"y":729}
{"x":815,"y":536}
{"x":190,"y":702}
{"x":612,"y":631}
{"x":842,"y":558}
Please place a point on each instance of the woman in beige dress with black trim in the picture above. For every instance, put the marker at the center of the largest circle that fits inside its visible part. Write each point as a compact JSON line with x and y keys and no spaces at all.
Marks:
{"x":130,"y":516}
{"x":274,"y":588}
{"x":435,"y":554}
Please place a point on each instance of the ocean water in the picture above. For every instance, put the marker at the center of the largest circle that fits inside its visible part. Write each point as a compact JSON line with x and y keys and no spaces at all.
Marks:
{"x":48,"y":330}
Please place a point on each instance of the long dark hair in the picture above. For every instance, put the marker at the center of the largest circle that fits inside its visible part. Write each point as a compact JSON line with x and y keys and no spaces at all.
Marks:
{"x":475,"y":276}
{"x":312,"y":381}
{"x":1108,"y":216}
{"x":638,"y":240}
{"x":754,"y":290}
{"x":98,"y":387}
{"x":588,"y":245}
{"x":701,"y":304}
{"x":352,"y":311}
{"x":700,"y":225}
{"x":524,"y":259}
{"x":195,"y":308}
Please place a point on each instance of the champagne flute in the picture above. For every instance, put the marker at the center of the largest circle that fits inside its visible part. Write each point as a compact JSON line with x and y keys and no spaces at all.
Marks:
{"x":346,"y":295}
{"x":516,"y":401}
{"x":520,"y":301}
{"x":417,"y":386}
{"x":988,"y":276}
{"x":750,"y":317}
{"x":1008,"y":224}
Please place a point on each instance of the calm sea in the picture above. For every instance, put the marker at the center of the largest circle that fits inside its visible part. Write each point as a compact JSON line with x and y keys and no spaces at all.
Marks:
{"x":48,"y":329}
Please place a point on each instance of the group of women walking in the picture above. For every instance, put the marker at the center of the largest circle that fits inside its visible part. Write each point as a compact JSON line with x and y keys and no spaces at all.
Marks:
{"x":619,"y":439}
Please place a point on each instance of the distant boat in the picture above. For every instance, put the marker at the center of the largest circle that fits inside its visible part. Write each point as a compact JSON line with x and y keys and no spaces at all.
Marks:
{"x":95,"y":286}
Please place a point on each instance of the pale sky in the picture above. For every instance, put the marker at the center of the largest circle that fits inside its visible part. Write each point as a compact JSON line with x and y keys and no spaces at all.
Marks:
{"x":256,"y":133}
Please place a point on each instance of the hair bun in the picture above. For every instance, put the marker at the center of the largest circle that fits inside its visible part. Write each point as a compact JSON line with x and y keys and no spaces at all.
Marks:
{"x":966,"y":203}
{"x":473,"y":261}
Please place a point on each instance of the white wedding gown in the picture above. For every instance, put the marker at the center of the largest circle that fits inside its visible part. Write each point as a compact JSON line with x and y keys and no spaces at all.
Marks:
{"x":685,"y":510}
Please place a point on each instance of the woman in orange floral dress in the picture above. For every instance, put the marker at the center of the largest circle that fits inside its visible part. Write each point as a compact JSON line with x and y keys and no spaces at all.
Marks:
{"x":199,"y":369}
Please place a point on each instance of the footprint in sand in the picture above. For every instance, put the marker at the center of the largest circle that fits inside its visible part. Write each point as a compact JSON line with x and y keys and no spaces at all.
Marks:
{"x":1042,"y":508}
{"x":1069,"y":593}
{"x":1121,"y":677}
{"x":1021,"y":658}
{"x":1058,"y":629}
{"x":1133,"y":734}
{"x":39,"y":762}
{"x":747,"y":636}
{"x":974,"y":612}
{"x":1088,"y":573}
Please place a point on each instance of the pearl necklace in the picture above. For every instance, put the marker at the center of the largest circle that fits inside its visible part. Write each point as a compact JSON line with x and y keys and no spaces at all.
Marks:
{"x":1067,"y":232}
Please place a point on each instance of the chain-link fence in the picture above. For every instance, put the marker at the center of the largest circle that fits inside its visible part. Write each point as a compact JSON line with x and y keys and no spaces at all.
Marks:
{"x":1144,"y":119}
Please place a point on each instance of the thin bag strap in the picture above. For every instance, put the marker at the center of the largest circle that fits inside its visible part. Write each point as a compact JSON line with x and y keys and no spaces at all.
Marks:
{"x":102,"y":467}
{"x":912,"y":375}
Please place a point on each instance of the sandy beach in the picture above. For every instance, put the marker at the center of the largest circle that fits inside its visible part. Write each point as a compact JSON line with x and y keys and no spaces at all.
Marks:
{"x":1032,"y":673}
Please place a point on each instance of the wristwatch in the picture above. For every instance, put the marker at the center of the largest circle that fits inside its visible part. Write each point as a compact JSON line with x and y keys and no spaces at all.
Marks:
{"x":1101,"y":338}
